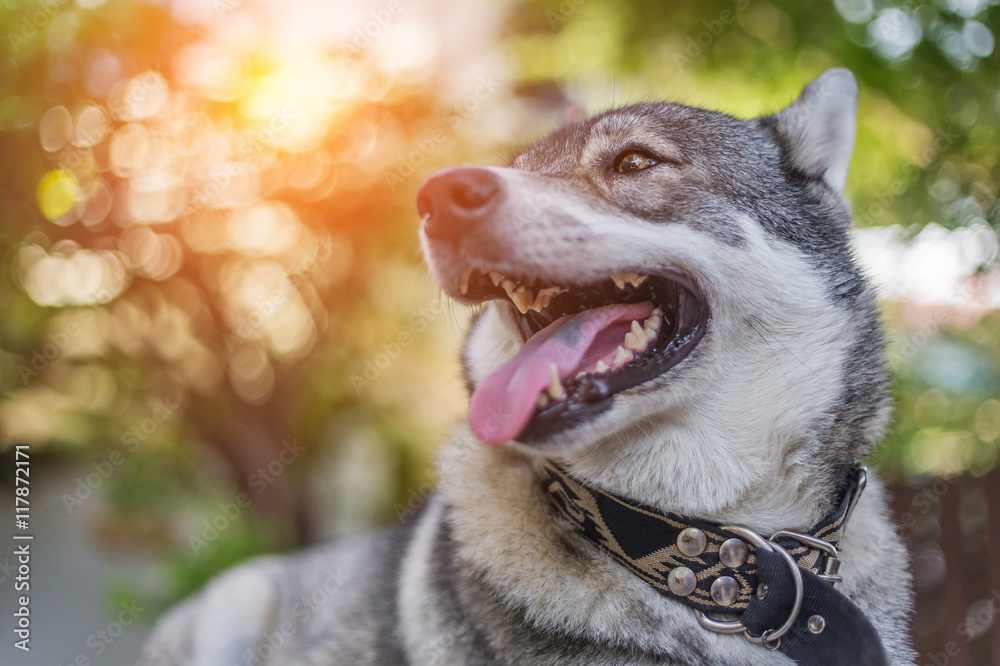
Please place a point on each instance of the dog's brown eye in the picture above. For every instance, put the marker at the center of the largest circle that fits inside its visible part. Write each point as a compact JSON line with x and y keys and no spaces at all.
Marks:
{"x":633,"y":160}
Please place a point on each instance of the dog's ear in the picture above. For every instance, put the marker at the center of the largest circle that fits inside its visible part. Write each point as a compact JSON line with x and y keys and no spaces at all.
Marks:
{"x":817,"y":129}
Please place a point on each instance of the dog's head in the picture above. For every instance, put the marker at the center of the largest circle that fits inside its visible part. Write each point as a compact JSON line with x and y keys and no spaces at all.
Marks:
{"x":665,"y":283}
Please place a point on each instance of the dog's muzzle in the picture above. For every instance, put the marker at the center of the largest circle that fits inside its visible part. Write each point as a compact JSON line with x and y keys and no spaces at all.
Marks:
{"x":454,"y":202}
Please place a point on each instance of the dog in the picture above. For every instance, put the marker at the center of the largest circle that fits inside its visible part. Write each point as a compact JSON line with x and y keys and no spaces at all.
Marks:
{"x":670,"y":321}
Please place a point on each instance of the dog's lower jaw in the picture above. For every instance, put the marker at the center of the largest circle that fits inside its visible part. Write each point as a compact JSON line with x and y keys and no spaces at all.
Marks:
{"x":505,"y":532}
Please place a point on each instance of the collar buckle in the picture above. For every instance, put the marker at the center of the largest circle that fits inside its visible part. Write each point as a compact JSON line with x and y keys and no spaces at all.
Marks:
{"x":829,"y":566}
{"x":771,"y":638}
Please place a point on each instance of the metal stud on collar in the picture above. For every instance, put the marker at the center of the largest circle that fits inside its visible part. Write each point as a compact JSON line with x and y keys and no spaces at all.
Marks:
{"x":772,"y":637}
{"x":681,"y":581}
{"x":733,"y":553}
{"x":692,"y":542}
{"x":725,"y":590}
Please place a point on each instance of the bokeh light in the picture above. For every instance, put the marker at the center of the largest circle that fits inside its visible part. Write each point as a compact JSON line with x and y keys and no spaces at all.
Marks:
{"x":211,"y":205}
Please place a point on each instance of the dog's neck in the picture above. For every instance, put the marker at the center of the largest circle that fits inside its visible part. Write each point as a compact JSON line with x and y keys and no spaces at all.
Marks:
{"x":773,"y":485}
{"x":506,"y":530}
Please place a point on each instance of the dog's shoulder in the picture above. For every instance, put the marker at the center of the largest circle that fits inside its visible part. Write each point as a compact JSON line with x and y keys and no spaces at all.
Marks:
{"x":339,"y":599}
{"x":219,"y":622}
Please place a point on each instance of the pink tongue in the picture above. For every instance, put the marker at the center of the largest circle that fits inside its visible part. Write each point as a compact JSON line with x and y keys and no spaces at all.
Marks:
{"x":505,"y":400}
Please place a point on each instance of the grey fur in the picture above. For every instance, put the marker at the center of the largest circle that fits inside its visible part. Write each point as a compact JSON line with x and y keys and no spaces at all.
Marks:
{"x":485,"y":573}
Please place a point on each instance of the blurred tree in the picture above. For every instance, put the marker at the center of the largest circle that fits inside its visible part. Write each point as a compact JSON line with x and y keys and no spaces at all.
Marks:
{"x":190,"y":221}
{"x":206,"y":231}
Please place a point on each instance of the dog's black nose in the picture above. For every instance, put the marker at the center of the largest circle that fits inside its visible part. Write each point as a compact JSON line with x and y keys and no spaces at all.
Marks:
{"x":453,"y":200}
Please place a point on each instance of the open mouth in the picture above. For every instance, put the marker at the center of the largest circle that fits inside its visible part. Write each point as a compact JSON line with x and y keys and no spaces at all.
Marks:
{"x":583,"y":344}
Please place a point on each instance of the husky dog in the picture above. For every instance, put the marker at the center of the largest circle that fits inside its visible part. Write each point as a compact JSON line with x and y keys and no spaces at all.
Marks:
{"x":671,"y":313}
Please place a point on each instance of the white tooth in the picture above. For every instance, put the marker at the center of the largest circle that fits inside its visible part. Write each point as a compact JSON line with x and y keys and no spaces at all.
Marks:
{"x":581,"y":375}
{"x":622,"y":356}
{"x":463,"y":282}
{"x":658,"y":311}
{"x":619,"y":279}
{"x":636,"y":338}
{"x":543,"y":401}
{"x":601,"y":367}
{"x":555,"y":386}
{"x":496,"y":278}
{"x":509,"y":288}
{"x":652,"y":326}
{"x":638,"y":279}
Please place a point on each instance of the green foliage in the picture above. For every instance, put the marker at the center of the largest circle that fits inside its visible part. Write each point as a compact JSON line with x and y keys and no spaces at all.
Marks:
{"x":186,"y":571}
{"x":81,"y":369}
{"x":947,"y":416}
{"x":246,"y":538}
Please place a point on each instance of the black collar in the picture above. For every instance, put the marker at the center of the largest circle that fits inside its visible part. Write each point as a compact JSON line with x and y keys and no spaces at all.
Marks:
{"x":729,"y":570}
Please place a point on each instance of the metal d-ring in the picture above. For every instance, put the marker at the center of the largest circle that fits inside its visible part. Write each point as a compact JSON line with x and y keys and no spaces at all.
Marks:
{"x":771,"y":637}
